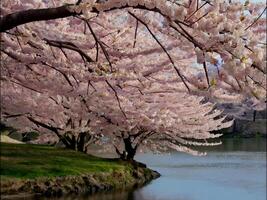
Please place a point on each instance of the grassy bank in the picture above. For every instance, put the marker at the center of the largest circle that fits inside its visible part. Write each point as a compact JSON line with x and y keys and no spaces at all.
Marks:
{"x":26,"y":161}
{"x":55,"y":171}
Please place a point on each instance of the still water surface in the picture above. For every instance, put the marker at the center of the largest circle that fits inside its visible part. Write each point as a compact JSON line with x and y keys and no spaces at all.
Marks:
{"x":235,"y":170}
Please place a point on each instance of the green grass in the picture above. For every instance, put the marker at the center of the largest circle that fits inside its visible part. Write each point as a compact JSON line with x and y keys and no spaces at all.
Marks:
{"x":25,"y":161}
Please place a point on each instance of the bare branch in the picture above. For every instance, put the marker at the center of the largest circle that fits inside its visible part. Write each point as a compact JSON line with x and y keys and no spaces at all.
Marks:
{"x":206,"y":72}
{"x":117,"y":97}
{"x":27,"y":87}
{"x":64,"y":75}
{"x":12,"y":20}
{"x":196,"y":11}
{"x":8,"y":115}
{"x":164,"y":49}
{"x":100,"y":44}
{"x":257,"y":82}
{"x":256,"y":19}
{"x":135,"y":33}
{"x":70,"y":46}
{"x":200,"y":18}
{"x":258,"y":68}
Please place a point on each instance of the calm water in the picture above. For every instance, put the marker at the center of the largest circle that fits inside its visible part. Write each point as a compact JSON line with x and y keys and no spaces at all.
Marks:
{"x":235,"y":170}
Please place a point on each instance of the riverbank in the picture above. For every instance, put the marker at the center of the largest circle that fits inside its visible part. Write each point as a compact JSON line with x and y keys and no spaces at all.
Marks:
{"x":36,"y":170}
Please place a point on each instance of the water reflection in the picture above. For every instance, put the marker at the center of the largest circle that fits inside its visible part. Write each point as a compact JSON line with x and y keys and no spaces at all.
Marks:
{"x":118,"y":195}
{"x":235,"y":170}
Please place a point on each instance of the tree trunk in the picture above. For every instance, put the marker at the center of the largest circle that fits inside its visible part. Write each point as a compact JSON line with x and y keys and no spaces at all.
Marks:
{"x":82,"y":141}
{"x":254,"y":115}
{"x":130,"y":150}
{"x":77,"y":143}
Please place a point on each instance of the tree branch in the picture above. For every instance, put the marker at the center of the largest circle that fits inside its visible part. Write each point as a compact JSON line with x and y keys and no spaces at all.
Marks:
{"x":206,"y":72}
{"x":117,"y":97}
{"x":64,"y":75}
{"x":12,"y":20}
{"x":164,"y":49}
{"x":27,"y":87}
{"x":70,"y":46}
{"x":38,"y":123}
{"x":256,"y":19}
{"x":135,"y":33}
{"x":196,"y":11}
{"x":100,"y":44}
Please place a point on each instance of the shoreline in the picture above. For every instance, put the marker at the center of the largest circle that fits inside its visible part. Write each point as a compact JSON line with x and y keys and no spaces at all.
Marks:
{"x":29,"y":171}
{"x":76,"y":185}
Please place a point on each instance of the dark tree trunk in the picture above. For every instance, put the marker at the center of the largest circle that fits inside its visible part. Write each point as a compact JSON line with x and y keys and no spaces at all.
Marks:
{"x":254,"y":115}
{"x":130,"y":150}
{"x":81,"y":142}
{"x":73,"y":143}
{"x":77,"y":143}
{"x":234,"y":127}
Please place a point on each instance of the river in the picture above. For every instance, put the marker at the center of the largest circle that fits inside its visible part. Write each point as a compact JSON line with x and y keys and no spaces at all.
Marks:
{"x":235,"y":170}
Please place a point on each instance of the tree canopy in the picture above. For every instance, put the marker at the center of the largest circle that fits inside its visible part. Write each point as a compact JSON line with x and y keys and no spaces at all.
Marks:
{"x":132,"y":70}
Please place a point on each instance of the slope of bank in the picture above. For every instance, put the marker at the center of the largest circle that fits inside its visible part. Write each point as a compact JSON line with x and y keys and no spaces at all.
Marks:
{"x":48,"y":171}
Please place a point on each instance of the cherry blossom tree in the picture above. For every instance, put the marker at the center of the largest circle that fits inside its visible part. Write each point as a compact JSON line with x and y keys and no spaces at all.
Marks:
{"x":88,"y":58}
{"x":157,"y":120}
{"x":66,"y":117}
{"x":180,"y":34}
